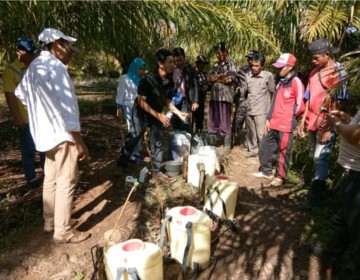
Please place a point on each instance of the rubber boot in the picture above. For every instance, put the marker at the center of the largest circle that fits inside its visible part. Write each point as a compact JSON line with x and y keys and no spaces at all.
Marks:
{"x":316,"y":193}
{"x":227,"y":144}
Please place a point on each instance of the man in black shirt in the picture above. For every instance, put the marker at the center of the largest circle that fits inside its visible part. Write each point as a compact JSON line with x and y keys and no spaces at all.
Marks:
{"x":185,"y":86}
{"x":154,"y":93}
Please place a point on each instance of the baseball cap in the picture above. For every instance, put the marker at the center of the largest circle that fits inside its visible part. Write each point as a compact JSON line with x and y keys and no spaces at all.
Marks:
{"x":322,"y":46}
{"x":49,"y":35}
{"x":285,"y":59}
{"x":26,"y":44}
{"x":251,"y":53}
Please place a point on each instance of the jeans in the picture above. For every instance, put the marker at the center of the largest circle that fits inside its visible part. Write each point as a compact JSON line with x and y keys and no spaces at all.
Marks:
{"x":28,"y":153}
{"x":321,"y":153}
{"x":139,"y":123}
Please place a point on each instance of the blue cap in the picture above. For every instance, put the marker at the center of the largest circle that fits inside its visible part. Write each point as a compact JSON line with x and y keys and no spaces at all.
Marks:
{"x":26,"y":44}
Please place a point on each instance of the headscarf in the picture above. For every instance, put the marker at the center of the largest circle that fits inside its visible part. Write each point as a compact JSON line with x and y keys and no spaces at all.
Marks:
{"x":133,"y":70}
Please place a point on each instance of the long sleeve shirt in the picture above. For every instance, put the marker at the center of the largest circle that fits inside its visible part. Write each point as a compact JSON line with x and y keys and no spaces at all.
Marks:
{"x":48,"y":92}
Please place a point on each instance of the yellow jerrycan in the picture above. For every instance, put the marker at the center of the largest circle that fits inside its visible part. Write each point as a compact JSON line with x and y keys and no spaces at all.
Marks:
{"x":188,"y":231}
{"x":133,"y":259}
{"x":221,"y":196}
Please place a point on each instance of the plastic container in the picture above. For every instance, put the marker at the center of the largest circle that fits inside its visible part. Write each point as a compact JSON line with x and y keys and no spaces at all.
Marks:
{"x":193,"y":175}
{"x":199,"y":251}
{"x":228,"y":194}
{"x":212,"y":159}
{"x":209,"y":158}
{"x":145,"y":257}
{"x":179,"y":144}
{"x":129,"y":181}
{"x":143,"y":174}
{"x":173,"y":167}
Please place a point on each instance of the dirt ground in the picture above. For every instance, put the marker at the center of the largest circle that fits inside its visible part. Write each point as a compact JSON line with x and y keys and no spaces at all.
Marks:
{"x":269,"y":245}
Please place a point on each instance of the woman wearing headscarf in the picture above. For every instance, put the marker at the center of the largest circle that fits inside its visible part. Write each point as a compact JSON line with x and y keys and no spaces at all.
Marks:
{"x":125,"y":97}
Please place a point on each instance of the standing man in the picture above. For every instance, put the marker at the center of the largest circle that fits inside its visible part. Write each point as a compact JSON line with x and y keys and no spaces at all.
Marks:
{"x":259,"y":86}
{"x":186,"y":86}
{"x":326,"y":75}
{"x":48,"y":92}
{"x":241,"y":101}
{"x":154,"y":93}
{"x":346,"y":225}
{"x":286,"y":105}
{"x":200,"y":63}
{"x":25,"y":53}
{"x":222,"y":77}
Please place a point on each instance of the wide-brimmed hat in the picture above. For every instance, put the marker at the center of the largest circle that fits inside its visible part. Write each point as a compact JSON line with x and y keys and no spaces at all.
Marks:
{"x":322,"y":46}
{"x":26,"y":44}
{"x":50,"y":35}
{"x":285,"y":59}
{"x":201,"y":59}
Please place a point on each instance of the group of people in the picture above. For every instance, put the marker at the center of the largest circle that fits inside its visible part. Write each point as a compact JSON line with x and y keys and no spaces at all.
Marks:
{"x":269,"y":111}
{"x":174,"y":94}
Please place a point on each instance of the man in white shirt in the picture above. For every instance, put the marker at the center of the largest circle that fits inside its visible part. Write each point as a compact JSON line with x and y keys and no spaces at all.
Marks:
{"x":48,"y":92}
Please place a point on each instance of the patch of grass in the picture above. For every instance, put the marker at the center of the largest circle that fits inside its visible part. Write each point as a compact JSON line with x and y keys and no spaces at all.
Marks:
{"x":79,"y":276}
{"x":17,"y":220}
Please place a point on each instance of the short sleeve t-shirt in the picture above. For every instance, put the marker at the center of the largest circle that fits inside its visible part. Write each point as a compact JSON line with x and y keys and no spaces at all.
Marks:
{"x":156,"y":91}
{"x":11,"y":78}
{"x":317,"y":95}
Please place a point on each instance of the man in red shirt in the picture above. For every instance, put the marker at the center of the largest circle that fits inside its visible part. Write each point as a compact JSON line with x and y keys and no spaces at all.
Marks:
{"x":286,"y":105}
{"x":320,"y":93}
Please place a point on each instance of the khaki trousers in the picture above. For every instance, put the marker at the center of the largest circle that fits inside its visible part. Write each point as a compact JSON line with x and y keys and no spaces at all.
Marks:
{"x":61,"y":177}
{"x":255,"y":131}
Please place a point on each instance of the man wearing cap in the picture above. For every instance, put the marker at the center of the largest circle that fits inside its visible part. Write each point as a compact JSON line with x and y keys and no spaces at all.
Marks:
{"x":48,"y":92}
{"x":321,"y":92}
{"x":241,"y":100}
{"x":286,"y":105}
{"x":203,"y":85}
{"x":222,"y":77}
{"x":25,"y":53}
{"x":259,"y":86}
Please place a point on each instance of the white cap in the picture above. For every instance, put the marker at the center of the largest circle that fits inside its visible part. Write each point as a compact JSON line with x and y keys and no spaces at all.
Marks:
{"x":49,"y":35}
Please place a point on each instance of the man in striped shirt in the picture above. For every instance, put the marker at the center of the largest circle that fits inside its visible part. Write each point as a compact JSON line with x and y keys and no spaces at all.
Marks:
{"x":346,"y":225}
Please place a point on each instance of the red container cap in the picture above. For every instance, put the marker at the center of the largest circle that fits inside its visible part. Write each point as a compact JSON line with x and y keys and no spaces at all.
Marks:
{"x":187,"y":211}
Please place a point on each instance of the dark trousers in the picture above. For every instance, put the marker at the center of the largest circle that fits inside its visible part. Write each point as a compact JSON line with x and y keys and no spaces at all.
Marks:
{"x":219,"y":117}
{"x":240,"y":115}
{"x":136,"y":132}
{"x":200,"y":113}
{"x":346,"y":224}
{"x":275,"y":147}
{"x":28,"y":153}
